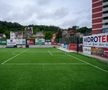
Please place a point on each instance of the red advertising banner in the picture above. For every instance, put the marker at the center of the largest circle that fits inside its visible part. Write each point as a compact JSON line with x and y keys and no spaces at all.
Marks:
{"x":72,"y":46}
{"x":30,"y":41}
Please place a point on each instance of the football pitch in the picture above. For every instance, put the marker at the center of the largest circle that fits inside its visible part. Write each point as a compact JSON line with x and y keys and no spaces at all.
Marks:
{"x":50,"y":69}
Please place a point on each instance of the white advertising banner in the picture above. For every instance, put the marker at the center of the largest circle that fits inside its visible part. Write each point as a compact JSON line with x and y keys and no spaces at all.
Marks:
{"x":21,"y":41}
{"x":87,"y":50}
{"x":40,"y":41}
{"x":96,"y":40}
{"x":11,"y":42}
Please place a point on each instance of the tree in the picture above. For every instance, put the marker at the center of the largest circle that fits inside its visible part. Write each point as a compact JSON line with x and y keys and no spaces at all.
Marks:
{"x":85,"y":30}
{"x":48,"y":35}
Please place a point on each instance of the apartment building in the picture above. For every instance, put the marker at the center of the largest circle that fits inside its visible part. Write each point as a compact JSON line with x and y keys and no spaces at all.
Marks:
{"x":99,"y":16}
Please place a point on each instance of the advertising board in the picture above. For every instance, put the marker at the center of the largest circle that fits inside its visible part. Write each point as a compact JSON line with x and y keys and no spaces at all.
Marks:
{"x":73,"y":46}
{"x":11,"y":42}
{"x":30,"y":41}
{"x":87,"y":50}
{"x":2,"y":42}
{"x":21,"y":41}
{"x":40,"y":41}
{"x":96,"y":40}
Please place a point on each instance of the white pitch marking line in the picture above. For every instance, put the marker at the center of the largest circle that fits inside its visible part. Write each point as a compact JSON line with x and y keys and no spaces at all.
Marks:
{"x":50,"y":53}
{"x":45,"y":64}
{"x":89,"y":64}
{"x":13,"y":57}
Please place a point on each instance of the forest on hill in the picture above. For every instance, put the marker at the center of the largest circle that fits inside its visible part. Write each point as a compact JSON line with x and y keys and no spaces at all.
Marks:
{"x":6,"y":27}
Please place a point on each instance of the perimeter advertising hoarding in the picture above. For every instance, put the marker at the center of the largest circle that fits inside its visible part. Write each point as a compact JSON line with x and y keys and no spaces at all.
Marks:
{"x":72,"y":46}
{"x":11,"y":42}
{"x":96,"y":40}
{"x":30,"y":41}
{"x":97,"y":51}
{"x":21,"y":41}
{"x":40,"y":41}
{"x":87,"y":50}
{"x":103,"y":52}
{"x":3,"y":42}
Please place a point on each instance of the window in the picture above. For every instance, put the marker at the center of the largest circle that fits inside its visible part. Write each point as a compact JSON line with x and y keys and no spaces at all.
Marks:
{"x":105,"y":30}
{"x":104,"y":12}
{"x":105,"y":0}
{"x":105,"y":24}
{"x":105,"y":18}
{"x":105,"y":6}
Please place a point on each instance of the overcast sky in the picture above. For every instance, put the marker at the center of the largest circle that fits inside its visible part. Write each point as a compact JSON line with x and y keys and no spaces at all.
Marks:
{"x":63,"y":13}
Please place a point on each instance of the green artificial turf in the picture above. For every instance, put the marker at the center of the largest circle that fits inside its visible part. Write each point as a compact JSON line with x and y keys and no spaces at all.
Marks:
{"x":50,"y":69}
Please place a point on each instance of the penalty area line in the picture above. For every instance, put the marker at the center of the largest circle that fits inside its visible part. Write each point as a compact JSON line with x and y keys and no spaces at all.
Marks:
{"x":13,"y":57}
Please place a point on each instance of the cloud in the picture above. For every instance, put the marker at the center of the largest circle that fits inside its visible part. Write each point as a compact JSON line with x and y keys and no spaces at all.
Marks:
{"x":56,"y":14}
{"x":70,"y":22}
{"x":63,"y":13}
{"x":43,"y":2}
